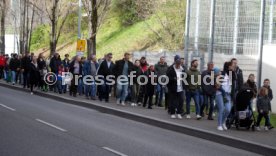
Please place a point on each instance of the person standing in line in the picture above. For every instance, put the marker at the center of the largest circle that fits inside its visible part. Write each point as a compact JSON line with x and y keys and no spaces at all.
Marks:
{"x":2,"y":65}
{"x":176,"y":87}
{"x":122,"y":67}
{"x":149,"y":88}
{"x":25,"y":65}
{"x":42,"y":70}
{"x":223,"y":96}
{"x":90,"y":68}
{"x":209,"y":90}
{"x":264,"y":108}
{"x":76,"y":69}
{"x":135,"y":87}
{"x":66,"y":62}
{"x":160,"y":69}
{"x":144,"y":67}
{"x":237,"y":78}
{"x":14,"y":67}
{"x":270,"y":93}
{"x":193,"y":89}
{"x":55,"y":62}
{"x":34,"y":74}
{"x":105,"y":69}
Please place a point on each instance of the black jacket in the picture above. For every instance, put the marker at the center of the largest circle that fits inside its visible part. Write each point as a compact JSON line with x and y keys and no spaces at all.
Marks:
{"x":34,"y":74}
{"x":41,"y":64}
{"x":253,"y":86}
{"x":149,"y":86}
{"x":238,"y":79}
{"x":172,"y":85}
{"x":14,"y":64}
{"x":54,"y":64}
{"x":26,"y":63}
{"x":119,"y":67}
{"x":207,"y":89}
{"x":104,"y":70}
{"x":270,"y":93}
{"x":72,"y":68}
{"x":263,"y":103}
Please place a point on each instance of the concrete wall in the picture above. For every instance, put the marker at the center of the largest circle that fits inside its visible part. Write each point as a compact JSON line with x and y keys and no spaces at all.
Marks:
{"x":269,"y":69}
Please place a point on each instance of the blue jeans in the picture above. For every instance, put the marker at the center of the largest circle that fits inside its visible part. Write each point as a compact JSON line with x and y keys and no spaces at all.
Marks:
{"x":195,"y":95}
{"x":90,"y":90}
{"x":80,"y":87}
{"x":208,"y":101}
{"x":160,"y":90}
{"x":122,"y":91}
{"x":223,"y":108}
{"x":13,"y":78}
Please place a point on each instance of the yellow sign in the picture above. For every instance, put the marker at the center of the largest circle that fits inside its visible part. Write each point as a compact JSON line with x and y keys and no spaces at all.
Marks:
{"x":81,"y":44}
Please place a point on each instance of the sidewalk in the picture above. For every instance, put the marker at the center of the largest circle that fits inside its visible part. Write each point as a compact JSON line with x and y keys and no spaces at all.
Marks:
{"x":244,"y":139}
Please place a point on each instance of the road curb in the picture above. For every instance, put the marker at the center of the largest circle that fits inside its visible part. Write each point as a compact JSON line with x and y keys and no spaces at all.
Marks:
{"x":187,"y":130}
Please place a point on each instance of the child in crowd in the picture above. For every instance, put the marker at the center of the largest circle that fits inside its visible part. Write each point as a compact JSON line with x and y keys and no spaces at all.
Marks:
{"x":149,"y":91}
{"x":264,"y":108}
{"x":61,"y":85}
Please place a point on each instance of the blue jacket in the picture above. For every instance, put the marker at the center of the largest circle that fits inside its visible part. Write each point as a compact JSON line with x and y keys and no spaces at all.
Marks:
{"x":87,"y":67}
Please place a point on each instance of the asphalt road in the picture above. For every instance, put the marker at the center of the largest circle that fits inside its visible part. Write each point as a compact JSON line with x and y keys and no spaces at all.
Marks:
{"x":35,"y":126}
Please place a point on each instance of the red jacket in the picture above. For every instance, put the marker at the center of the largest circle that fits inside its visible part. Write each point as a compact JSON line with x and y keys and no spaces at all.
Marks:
{"x":2,"y":61}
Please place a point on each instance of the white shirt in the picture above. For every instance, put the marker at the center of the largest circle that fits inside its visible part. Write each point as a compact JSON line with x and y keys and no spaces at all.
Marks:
{"x":178,"y":74}
{"x":108,"y":64}
{"x":226,"y":85}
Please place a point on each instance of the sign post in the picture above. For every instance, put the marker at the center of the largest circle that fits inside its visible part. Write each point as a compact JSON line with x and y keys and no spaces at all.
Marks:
{"x":81,"y":45}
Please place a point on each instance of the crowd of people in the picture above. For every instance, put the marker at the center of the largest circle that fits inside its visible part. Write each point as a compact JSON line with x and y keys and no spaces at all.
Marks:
{"x":29,"y":71}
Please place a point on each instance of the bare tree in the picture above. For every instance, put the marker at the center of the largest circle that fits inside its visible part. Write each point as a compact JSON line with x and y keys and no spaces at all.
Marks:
{"x":57,"y":12}
{"x":3,"y":13}
{"x":96,"y":11}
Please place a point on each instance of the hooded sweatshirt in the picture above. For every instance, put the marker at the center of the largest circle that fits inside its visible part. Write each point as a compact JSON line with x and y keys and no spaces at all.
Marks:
{"x":193,"y":84}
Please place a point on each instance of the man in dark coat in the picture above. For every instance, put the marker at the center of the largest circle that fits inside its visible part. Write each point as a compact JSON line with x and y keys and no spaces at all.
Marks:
{"x":105,"y":69}
{"x":160,"y":69}
{"x":123,"y":68}
{"x":25,"y":67}
{"x":238,"y":77}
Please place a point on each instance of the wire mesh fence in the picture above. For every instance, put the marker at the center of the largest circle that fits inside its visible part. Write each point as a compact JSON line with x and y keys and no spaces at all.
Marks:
{"x":231,"y":27}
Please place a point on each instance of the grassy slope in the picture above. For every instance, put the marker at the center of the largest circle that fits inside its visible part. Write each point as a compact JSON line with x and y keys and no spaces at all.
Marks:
{"x":112,"y":37}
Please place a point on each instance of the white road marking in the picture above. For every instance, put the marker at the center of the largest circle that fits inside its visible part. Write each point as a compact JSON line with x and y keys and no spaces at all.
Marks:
{"x":51,"y":125}
{"x":114,"y":151}
{"x":9,"y":108}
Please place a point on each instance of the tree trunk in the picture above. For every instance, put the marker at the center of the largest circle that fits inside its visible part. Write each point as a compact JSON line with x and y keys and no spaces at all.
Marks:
{"x":2,"y":37}
{"x":53,"y":42}
{"x":94,"y":21}
{"x":31,"y":29}
{"x":27,"y":28}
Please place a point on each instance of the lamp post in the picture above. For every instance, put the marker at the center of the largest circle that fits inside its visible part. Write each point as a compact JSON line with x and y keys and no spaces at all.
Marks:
{"x":79,"y":19}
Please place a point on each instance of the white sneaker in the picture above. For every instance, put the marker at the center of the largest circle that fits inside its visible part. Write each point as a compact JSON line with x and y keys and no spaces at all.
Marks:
{"x":188,"y":116}
{"x":266,"y":128}
{"x":32,"y":93}
{"x":179,"y":116}
{"x":139,"y":103}
{"x":173,"y":116}
{"x":220,"y":128}
{"x":133,"y":104}
{"x":224,"y":127}
{"x":198,"y":117}
{"x":118,"y":101}
{"x":123,"y":103}
{"x":258,"y":128}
